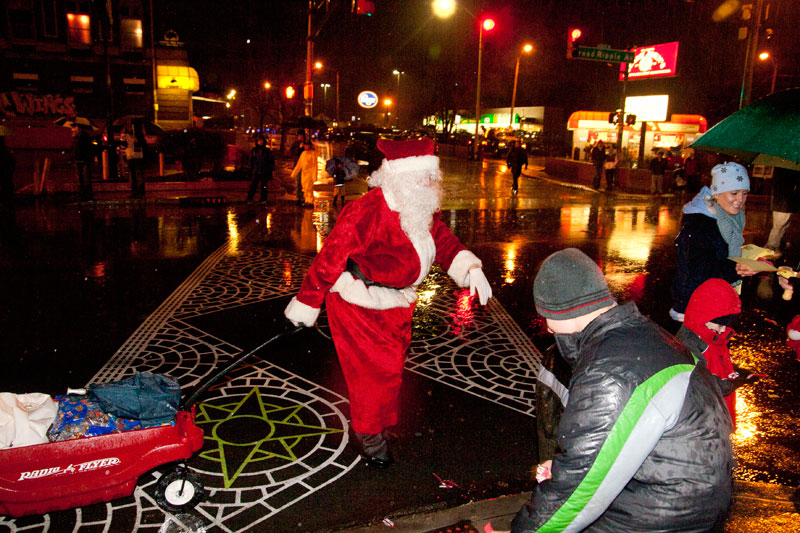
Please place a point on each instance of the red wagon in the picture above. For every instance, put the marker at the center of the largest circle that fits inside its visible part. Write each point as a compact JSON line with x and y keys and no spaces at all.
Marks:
{"x":72,"y":473}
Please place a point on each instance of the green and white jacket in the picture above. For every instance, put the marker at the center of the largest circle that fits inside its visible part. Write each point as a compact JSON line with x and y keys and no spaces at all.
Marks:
{"x":644,"y":441}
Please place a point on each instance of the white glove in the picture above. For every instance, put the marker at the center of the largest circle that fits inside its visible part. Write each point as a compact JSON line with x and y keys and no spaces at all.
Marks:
{"x":478,"y":282}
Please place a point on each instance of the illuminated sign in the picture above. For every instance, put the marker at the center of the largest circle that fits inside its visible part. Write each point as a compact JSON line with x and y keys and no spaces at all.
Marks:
{"x":367,"y":99}
{"x":657,"y":61}
{"x":648,"y":108}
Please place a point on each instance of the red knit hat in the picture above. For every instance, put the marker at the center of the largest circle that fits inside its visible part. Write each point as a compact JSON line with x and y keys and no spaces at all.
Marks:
{"x":409,"y":155}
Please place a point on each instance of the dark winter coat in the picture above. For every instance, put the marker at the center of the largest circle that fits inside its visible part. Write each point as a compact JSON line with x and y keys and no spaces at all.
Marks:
{"x":785,"y":190}
{"x":262,"y":162}
{"x":658,"y":166}
{"x":644,"y":439}
{"x":702,"y":255}
{"x":516,"y":159}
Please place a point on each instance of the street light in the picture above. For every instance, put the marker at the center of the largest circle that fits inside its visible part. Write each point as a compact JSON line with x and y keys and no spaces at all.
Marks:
{"x":528,"y":48}
{"x":319,"y":66}
{"x":764,"y":56}
{"x":324,"y":96}
{"x":487,"y":24}
{"x":443,"y":8}
{"x":387,"y":102}
{"x":397,"y":107}
{"x":267,"y":85}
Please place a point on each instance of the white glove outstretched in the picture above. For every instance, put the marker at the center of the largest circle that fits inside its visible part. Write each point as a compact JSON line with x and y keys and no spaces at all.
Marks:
{"x":478,"y":282}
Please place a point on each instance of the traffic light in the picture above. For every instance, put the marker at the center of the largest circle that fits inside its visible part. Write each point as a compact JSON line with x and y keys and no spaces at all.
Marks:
{"x":289,"y":92}
{"x":630,"y":119}
{"x":573,"y":35}
{"x":613,"y":117}
{"x":364,"y":7}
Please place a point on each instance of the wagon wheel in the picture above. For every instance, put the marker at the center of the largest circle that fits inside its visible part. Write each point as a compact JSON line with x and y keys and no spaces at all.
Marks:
{"x":179,"y":490}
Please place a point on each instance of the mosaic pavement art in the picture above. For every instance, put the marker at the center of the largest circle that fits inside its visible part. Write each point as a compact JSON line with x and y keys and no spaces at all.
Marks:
{"x":304,"y":445}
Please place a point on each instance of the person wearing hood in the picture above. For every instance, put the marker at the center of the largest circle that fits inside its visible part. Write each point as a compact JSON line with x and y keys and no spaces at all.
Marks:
{"x":306,"y":168}
{"x":711,"y":232}
{"x":644,"y":441}
{"x":707,"y":330}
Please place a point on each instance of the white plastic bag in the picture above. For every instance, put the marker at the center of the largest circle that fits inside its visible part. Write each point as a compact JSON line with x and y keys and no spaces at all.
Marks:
{"x":24,"y":418}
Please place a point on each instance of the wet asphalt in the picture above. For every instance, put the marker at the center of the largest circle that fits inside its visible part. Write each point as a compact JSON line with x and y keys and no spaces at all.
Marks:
{"x":79,"y":279}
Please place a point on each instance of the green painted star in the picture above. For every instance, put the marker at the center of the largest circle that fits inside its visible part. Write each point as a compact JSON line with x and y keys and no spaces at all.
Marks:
{"x":251,"y":430}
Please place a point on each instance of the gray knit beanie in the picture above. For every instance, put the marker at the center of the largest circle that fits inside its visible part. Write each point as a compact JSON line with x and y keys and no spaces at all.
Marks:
{"x":568,"y":285}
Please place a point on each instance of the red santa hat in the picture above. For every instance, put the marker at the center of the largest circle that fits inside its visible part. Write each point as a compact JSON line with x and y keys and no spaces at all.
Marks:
{"x":411,"y":155}
{"x":793,"y":332}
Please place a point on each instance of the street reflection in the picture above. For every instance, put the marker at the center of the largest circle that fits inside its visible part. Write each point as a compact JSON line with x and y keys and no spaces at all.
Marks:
{"x":233,"y":232}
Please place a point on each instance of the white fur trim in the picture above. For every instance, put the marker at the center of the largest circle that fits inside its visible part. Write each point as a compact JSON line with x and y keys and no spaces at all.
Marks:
{"x":794,"y":334}
{"x":462,"y":263}
{"x":412,"y":164}
{"x":300,"y":313}
{"x":426,"y":250}
{"x":354,"y":291}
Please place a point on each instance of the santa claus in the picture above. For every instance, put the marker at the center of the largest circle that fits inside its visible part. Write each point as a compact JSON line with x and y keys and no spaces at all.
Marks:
{"x":368,"y":271}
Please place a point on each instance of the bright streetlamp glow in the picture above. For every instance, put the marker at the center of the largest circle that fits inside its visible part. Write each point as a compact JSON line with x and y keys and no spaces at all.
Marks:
{"x":763,"y":56}
{"x":443,"y":8}
{"x":267,"y":85}
{"x":527,"y":48}
{"x":231,"y":95}
{"x":387,"y":102}
{"x":488,"y":24}
{"x":318,"y":65}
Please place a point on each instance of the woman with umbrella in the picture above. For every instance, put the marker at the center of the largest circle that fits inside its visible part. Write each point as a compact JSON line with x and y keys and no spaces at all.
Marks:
{"x":711,"y":232}
{"x":341,"y":169}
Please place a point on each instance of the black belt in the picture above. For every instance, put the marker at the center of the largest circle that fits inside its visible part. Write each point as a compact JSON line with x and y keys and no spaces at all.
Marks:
{"x":355,"y":270}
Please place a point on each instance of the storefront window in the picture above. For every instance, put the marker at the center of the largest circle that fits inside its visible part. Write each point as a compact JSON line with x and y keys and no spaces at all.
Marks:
{"x":130,"y":33}
{"x":79,"y":28}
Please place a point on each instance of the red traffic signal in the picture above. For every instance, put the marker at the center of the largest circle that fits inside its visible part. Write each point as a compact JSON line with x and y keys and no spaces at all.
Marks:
{"x":364,"y":7}
{"x":289,"y":92}
{"x":573,"y":35}
{"x":630,"y":119}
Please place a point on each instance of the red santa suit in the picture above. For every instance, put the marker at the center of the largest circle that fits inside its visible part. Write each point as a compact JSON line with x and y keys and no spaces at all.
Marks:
{"x":371,"y":323}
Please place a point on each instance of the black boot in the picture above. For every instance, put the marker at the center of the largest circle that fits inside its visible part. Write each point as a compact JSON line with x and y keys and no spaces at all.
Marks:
{"x":374,"y":449}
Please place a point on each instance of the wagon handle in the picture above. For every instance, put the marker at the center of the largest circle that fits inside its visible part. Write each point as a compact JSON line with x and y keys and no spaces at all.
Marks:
{"x":187,"y":403}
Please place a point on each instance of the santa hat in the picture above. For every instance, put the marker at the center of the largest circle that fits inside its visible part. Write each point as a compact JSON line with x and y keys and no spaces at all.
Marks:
{"x":412,"y":155}
{"x":793,"y":332}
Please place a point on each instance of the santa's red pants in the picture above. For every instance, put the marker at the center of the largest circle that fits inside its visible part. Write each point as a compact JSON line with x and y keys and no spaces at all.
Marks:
{"x":371,"y":346}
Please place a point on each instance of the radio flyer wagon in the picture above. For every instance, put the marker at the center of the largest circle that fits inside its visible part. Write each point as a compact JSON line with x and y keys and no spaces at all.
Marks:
{"x":60,"y":475}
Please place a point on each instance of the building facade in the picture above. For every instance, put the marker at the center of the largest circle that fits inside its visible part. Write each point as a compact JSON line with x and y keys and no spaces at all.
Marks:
{"x":96,"y":59}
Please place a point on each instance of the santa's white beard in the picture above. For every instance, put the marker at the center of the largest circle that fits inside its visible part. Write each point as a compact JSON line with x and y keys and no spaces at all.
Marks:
{"x":416,"y":199}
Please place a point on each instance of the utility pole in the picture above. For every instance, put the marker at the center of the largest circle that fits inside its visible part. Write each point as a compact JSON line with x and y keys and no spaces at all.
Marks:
{"x":308,"y":86}
{"x":750,"y":55}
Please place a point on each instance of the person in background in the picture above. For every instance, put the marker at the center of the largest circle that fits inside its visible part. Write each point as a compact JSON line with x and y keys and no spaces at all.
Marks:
{"x":711,"y":232}
{"x":706,"y":331}
{"x":691,"y":172}
{"x":83,"y":162}
{"x":367,"y":273}
{"x":598,"y":156}
{"x":134,"y":156}
{"x":515,"y":158}
{"x":610,"y":167}
{"x":339,"y":176}
{"x":658,"y":166}
{"x":306,"y":172}
{"x":644,"y":440}
{"x":295,"y":151}
{"x":262,"y":163}
{"x":785,"y":201}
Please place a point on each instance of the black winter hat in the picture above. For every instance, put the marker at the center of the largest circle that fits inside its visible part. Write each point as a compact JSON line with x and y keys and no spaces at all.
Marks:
{"x":568,"y":285}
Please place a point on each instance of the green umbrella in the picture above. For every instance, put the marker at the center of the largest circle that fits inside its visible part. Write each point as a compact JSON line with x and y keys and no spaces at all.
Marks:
{"x":766,"y":132}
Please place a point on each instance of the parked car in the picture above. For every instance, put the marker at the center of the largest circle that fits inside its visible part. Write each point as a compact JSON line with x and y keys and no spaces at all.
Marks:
{"x":496,"y":142}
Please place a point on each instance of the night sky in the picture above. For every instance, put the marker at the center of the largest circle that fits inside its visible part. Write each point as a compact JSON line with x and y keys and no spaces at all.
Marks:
{"x":439,"y":57}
